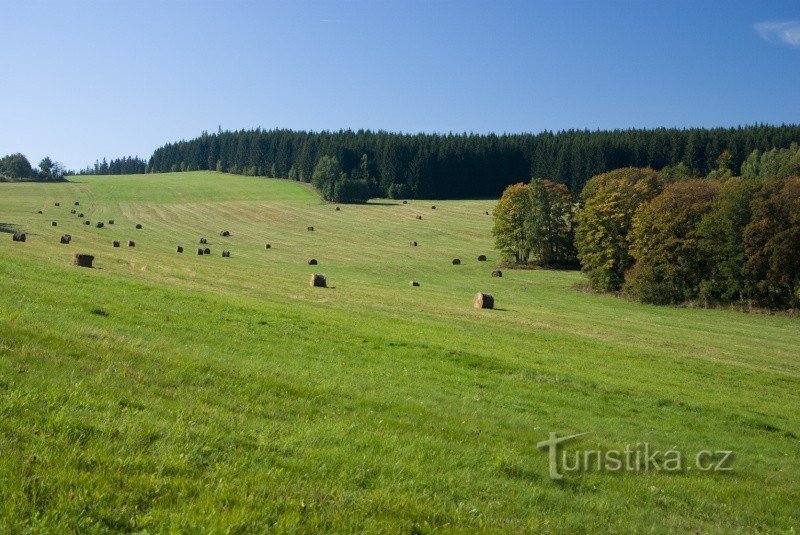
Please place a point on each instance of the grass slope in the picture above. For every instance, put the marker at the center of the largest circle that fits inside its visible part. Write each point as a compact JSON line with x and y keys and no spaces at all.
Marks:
{"x":166,"y":392}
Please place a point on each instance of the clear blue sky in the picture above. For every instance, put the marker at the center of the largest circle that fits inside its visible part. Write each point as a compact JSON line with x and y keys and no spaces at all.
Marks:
{"x":83,"y":80}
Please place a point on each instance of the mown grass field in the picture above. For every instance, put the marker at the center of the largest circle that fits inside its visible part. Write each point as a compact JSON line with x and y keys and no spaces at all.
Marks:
{"x":165,"y":392}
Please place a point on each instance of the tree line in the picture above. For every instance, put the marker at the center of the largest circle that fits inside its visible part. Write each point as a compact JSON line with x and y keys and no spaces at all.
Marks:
{"x":127,"y":165}
{"x":669,"y":236}
{"x":464,"y":165}
{"x":16,"y":167}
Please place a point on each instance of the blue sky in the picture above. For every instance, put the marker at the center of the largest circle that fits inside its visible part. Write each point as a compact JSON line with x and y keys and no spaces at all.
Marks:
{"x":84,"y":80}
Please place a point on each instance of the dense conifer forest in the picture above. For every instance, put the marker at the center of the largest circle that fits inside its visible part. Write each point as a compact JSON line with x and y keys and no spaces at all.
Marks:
{"x":465,"y":165}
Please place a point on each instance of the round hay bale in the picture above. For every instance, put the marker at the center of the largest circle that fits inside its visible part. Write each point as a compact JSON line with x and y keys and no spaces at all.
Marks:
{"x":312,"y":261}
{"x":268,"y":246}
{"x":405,"y":202}
{"x":82,"y":260}
{"x":481,"y":258}
{"x":225,"y":233}
{"x":65,"y":239}
{"x":100,"y":224}
{"x":77,"y":203}
{"x":54,"y":223}
{"x":203,"y":241}
{"x":73,"y":211}
{"x":419,"y":217}
{"x":226,"y":254}
{"x":87,"y":222}
{"x":497,"y":273}
{"x":58,"y":204}
{"x":138,"y":226}
{"x":19,"y":236}
{"x":412,"y":244}
{"x":115,"y":243}
{"x":456,"y":261}
{"x":487,"y":213}
{"x":39,"y":212}
{"x":433,"y":207}
{"x":110,"y":221}
{"x":180,"y":249}
{"x":311,"y":229}
{"x":206,"y":251}
{"x":80,"y":215}
{"x":337,"y":208}
{"x":131,"y":243}
{"x":318,"y":281}
{"x":199,"y":251}
{"x":484,"y":300}
{"x":414,"y":283}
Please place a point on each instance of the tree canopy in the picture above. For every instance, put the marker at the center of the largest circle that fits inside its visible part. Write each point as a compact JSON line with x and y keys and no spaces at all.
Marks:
{"x":467,"y":165}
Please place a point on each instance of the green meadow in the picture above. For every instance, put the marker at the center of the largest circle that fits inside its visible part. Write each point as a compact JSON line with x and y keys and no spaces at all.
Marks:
{"x":165,"y":392}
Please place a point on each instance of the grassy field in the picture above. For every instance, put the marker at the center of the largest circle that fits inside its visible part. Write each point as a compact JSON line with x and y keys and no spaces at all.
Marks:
{"x":166,"y":392}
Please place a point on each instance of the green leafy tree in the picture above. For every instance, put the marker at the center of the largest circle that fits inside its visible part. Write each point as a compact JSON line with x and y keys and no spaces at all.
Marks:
{"x":550,"y":223}
{"x":772,"y":243}
{"x":15,"y":166}
{"x":721,"y":233}
{"x":723,"y":171}
{"x":511,"y":224}
{"x":670,"y":261}
{"x":601,"y":235}
{"x":326,"y":174}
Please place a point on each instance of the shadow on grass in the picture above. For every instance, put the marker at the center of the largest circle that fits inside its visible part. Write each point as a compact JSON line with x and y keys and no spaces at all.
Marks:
{"x":8,"y":228}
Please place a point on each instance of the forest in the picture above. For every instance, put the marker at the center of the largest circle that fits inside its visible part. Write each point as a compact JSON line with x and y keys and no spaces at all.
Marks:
{"x":669,"y":236}
{"x":451,"y":165}
{"x":127,"y":165}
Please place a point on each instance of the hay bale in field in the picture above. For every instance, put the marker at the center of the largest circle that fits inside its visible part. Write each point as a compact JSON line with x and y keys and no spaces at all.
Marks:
{"x":206,"y":251}
{"x":39,"y":212}
{"x":419,"y":217}
{"x":311,"y":229}
{"x":484,"y":300}
{"x":414,"y":283}
{"x":225,"y":233}
{"x":65,"y":239}
{"x":80,"y":215}
{"x":312,"y":261}
{"x":199,"y":251}
{"x":203,"y":241}
{"x":180,"y":249}
{"x":433,"y":207}
{"x":138,"y":226}
{"x":110,"y":221}
{"x":337,"y":208}
{"x":73,"y":211}
{"x":19,"y":236}
{"x":77,"y":203}
{"x":87,"y":222}
{"x":115,"y":243}
{"x":54,"y":223}
{"x":497,"y":273}
{"x":82,"y":260}
{"x":412,"y":244}
{"x":226,"y":254}
{"x":100,"y":224}
{"x":481,"y":258}
{"x":456,"y":261}
{"x":487,"y":213}
{"x":318,"y":281}
{"x":405,"y":202}
{"x":131,"y":243}
{"x":268,"y":246}
{"x":58,"y":204}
